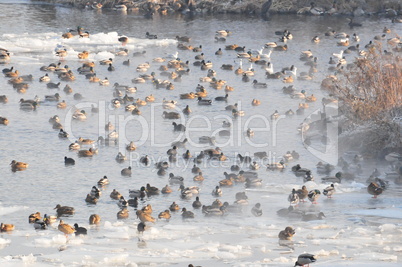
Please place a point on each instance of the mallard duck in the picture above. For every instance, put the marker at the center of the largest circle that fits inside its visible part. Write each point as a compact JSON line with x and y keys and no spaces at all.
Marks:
{"x":91,"y":199}
{"x":49,"y":219}
{"x":333,"y":179}
{"x":293,"y":197}
{"x":276,"y":165}
{"x":94,"y":219}
{"x":65,"y":228}
{"x":305,"y":259}
{"x":256,"y":210}
{"x":152,"y":190}
{"x":86,"y":153}
{"x":375,"y":189}
{"x":122,"y":203}
{"x":39,"y":224}
{"x":217,"y":192}
{"x":166,"y":190}
{"x":324,"y":168}
{"x":286,"y":234}
{"x":64,"y":210}
{"x":34,"y":216}
{"x":144,"y":217}
{"x":6,"y":227}
{"x":79,"y":115}
{"x":313,"y":195}
{"x":18,"y":166}
{"x":164,"y":215}
{"x":299,"y":171}
{"x":83,"y":55}
{"x":122,"y":214}
{"x":115,"y":194}
{"x":103,"y":181}
{"x":120,"y":158}
{"x":175,"y":179}
{"x":199,"y":177}
{"x":141,"y":193}
{"x":329,"y":191}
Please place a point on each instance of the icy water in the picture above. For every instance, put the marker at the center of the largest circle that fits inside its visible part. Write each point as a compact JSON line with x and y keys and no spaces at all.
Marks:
{"x":357,"y":230}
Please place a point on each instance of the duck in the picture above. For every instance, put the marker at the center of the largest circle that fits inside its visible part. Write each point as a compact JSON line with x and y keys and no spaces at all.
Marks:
{"x":313,"y":216}
{"x":286,"y":234}
{"x":94,"y":219}
{"x":175,"y":179}
{"x":120,"y":158}
{"x":313,"y":195}
{"x":103,"y":181}
{"x":79,"y":115}
{"x":39,"y":224}
{"x":199,"y":177}
{"x":186,"y":214}
{"x":333,"y":179}
{"x":86,"y":153}
{"x":217,"y":192}
{"x":375,"y":189}
{"x":150,"y":36}
{"x":299,"y":171}
{"x":64,"y":210}
{"x":256,"y":210}
{"x":253,"y":182}
{"x":329,"y":191}
{"x":293,"y":197}
{"x":123,"y":214}
{"x":204,"y":101}
{"x":257,"y":84}
{"x":34,"y":216}
{"x":18,"y":165}
{"x":115,"y":194}
{"x":141,"y":193}
{"x":152,"y":190}
{"x":305,"y":259}
{"x":165,"y":215}
{"x":65,"y":228}
{"x":144,"y":217}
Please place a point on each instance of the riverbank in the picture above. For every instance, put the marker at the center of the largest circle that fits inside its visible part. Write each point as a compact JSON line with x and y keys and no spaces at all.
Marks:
{"x":389,"y":8}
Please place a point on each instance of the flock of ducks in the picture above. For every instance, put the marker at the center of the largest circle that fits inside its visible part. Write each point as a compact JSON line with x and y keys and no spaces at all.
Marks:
{"x":243,"y":173}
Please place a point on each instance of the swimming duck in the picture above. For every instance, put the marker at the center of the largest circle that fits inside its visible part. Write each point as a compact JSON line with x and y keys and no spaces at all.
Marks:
{"x":18,"y":166}
{"x":152,"y":190}
{"x":115,"y":194}
{"x":313,"y":216}
{"x":174,"y":207}
{"x":103,"y":181}
{"x":138,"y":193}
{"x":217,"y":192}
{"x":86,"y":153}
{"x":79,"y":115}
{"x":164,"y":215}
{"x":91,"y":199}
{"x":253,"y":182}
{"x":223,"y":33}
{"x":257,"y":84}
{"x":64,"y":210}
{"x":256,"y":210}
{"x":120,"y":158}
{"x":186,"y":214}
{"x":333,"y":179}
{"x":122,"y":214}
{"x":94,"y":219}
{"x":305,"y":259}
{"x":299,"y":171}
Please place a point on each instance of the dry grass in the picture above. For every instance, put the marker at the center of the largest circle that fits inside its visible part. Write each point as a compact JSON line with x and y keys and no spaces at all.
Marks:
{"x":370,"y":94}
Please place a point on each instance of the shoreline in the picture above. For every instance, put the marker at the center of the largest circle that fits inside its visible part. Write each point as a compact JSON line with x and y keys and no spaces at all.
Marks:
{"x":263,"y":8}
